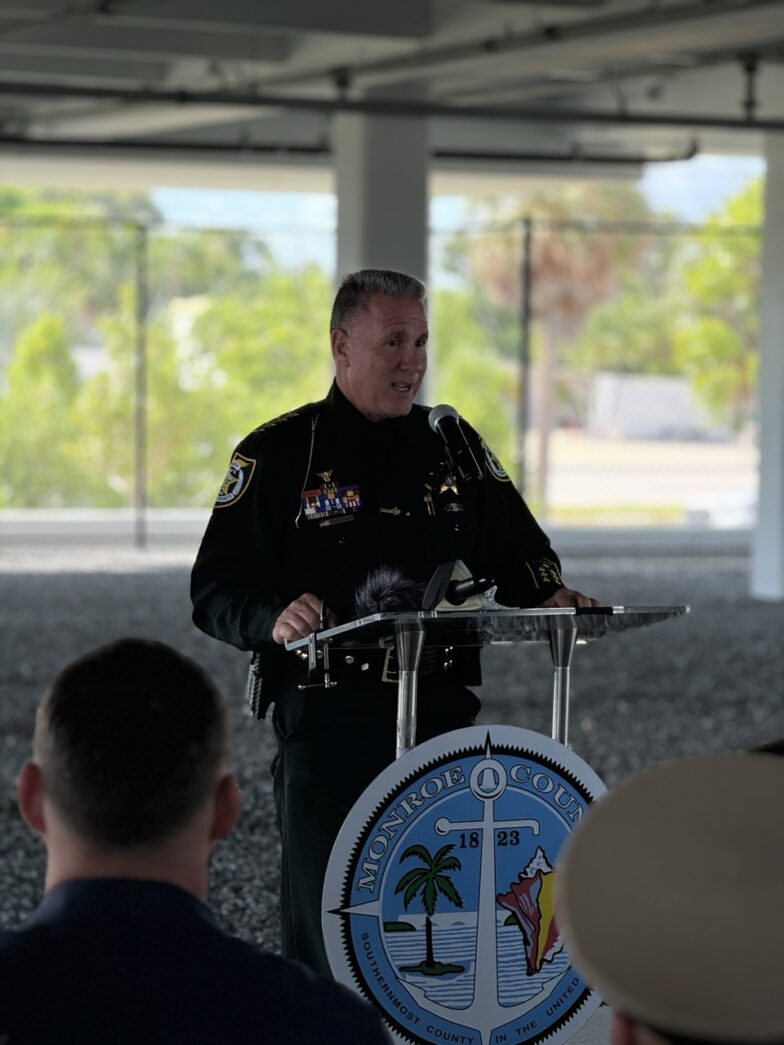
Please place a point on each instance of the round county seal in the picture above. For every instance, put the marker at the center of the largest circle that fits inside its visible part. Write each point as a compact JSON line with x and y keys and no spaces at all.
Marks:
{"x":438,"y":898}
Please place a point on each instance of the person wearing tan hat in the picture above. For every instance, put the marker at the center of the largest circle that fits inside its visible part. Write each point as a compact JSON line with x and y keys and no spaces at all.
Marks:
{"x":670,"y":901}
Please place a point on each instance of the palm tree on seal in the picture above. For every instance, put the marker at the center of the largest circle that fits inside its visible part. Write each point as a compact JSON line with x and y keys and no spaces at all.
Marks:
{"x":430,"y":880}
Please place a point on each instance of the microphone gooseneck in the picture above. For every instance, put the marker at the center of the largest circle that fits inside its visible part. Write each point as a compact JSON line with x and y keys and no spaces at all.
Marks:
{"x":445,"y":420}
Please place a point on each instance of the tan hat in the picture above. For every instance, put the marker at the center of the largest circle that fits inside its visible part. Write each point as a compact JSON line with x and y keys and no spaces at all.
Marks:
{"x":670,"y":897}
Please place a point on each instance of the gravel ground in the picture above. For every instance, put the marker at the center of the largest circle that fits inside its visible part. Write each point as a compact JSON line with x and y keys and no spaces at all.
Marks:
{"x":705,"y":682}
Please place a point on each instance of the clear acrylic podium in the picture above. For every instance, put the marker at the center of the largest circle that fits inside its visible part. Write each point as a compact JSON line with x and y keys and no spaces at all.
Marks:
{"x":409,"y":632}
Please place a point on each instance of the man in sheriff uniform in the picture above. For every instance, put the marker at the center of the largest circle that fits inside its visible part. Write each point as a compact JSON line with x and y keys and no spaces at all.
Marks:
{"x":315,"y":501}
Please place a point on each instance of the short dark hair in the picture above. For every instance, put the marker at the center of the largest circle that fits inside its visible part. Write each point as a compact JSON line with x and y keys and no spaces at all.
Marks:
{"x":357,"y":287}
{"x":130,"y":739}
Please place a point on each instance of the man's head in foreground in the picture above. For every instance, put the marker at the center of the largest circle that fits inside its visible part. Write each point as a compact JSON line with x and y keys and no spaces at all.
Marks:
{"x":671,"y":901}
{"x":129,"y":772}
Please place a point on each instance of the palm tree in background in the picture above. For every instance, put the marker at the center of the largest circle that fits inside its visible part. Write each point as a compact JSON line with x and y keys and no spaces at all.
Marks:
{"x":430,"y":880}
{"x":578,"y":259}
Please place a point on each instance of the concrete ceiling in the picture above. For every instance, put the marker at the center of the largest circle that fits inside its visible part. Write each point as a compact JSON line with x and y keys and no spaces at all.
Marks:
{"x":236,"y":86}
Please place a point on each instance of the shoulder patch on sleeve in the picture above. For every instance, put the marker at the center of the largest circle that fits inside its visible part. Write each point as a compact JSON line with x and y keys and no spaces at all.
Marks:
{"x":237,"y":481}
{"x":494,"y":466}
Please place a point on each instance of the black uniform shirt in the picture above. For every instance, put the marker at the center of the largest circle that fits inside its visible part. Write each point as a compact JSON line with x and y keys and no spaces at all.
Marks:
{"x":317,"y":498}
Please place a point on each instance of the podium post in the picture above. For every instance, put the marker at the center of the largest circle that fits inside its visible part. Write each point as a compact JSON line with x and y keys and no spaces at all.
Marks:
{"x":562,"y":643}
{"x":409,"y":643}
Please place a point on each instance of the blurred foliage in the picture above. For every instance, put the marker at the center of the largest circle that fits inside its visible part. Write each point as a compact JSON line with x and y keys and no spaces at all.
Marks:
{"x":231,"y":339}
{"x":39,"y":441}
{"x":611,"y":293}
{"x":579,"y":255}
{"x":634,"y":331}
{"x":716,"y":337}
{"x":576,"y":259}
{"x":467,"y":371}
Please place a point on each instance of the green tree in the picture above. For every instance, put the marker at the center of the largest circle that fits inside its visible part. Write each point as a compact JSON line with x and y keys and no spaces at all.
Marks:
{"x":64,"y":252}
{"x":577,"y":264}
{"x":198,"y":262}
{"x":216,"y":368}
{"x":716,"y":341}
{"x":176,"y":418}
{"x":430,"y":879}
{"x":39,"y":437}
{"x":230,"y":342}
{"x":470,"y":373}
{"x":264,"y":349}
{"x":634,"y":331}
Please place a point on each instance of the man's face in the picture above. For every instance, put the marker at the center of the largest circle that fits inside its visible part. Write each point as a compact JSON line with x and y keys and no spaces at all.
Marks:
{"x":381,"y":356}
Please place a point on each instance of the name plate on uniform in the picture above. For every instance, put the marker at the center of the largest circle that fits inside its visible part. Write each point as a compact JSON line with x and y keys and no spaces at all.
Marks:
{"x":438,"y":898}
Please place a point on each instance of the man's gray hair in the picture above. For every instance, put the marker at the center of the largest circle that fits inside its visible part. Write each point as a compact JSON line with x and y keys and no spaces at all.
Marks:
{"x":357,"y":287}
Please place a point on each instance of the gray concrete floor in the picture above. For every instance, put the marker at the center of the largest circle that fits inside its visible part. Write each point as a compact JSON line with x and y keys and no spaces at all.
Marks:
{"x":709,"y":681}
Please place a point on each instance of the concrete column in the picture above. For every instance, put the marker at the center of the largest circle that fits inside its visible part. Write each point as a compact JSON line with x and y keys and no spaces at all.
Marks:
{"x":767,"y":575}
{"x":381,"y":174}
{"x":381,"y":170}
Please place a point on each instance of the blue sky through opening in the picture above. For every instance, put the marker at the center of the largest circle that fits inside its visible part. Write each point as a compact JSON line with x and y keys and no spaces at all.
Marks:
{"x":300,"y":226}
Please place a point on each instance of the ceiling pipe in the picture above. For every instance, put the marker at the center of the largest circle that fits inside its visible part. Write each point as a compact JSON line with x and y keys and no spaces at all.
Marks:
{"x":572,"y":156}
{"x":393,"y":107}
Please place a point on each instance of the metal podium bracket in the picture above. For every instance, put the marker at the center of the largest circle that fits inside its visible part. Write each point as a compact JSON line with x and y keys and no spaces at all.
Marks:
{"x":315,"y":654}
{"x":562,"y":643}
{"x":409,"y":642}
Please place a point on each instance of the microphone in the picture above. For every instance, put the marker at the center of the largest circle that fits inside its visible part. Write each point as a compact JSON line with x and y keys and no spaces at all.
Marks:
{"x":458,"y":591}
{"x":444,"y":420}
{"x":441,"y":586}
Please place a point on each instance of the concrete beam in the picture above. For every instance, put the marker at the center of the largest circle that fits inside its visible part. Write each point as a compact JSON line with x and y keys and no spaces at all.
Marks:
{"x":406,"y":19}
{"x":109,"y":70}
{"x":127,"y":41}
